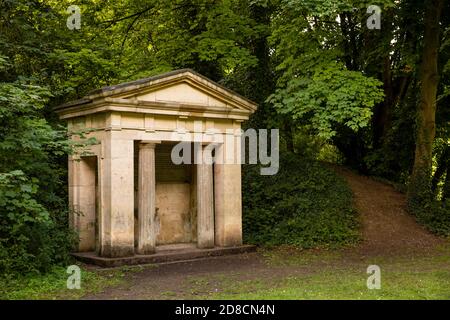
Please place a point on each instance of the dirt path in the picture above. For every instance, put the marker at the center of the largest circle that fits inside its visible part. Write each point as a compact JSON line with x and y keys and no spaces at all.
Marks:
{"x":175,"y":280}
{"x":387,"y":230}
{"x":386,"y":226}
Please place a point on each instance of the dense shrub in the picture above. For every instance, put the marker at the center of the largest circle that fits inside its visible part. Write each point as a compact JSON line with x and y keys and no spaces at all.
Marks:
{"x":433,"y":214}
{"x":33,"y":217}
{"x":305,"y":204}
{"x":30,"y":240}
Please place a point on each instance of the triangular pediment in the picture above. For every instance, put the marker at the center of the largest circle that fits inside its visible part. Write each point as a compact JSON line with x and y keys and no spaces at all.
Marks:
{"x":180,"y":89}
{"x":184,"y":93}
{"x":181,"y":86}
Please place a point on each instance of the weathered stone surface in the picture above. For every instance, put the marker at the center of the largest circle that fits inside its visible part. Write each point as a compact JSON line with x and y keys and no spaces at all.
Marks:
{"x":83,"y":193}
{"x":205,"y":210}
{"x":174,"y":213}
{"x":147,"y":199}
{"x":205,"y":205}
{"x":161,"y":257}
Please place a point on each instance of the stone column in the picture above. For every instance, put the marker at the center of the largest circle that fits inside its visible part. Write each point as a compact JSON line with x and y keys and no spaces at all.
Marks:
{"x":228,"y":199}
{"x":146,"y":199}
{"x":116,"y":196}
{"x":82,"y":200}
{"x":205,"y":202}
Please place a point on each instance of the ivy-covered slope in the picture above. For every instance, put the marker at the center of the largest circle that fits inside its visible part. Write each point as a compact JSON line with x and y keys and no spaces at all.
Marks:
{"x":306,"y":204}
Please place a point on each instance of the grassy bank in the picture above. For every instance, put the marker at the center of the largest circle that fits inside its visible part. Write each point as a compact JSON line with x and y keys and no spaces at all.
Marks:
{"x":332,"y":275}
{"x":53,"y":285}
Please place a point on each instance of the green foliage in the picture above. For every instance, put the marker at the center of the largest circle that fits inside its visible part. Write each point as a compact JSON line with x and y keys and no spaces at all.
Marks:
{"x":332,"y":95}
{"x":317,"y":87}
{"x":394,"y":158}
{"x":30,"y":240}
{"x":433,"y":214}
{"x":33,"y":215}
{"x":209,"y":36}
{"x":314,"y":147}
{"x":305,"y":204}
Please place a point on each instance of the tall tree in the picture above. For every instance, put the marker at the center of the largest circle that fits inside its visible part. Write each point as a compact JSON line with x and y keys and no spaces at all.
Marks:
{"x":420,"y":183}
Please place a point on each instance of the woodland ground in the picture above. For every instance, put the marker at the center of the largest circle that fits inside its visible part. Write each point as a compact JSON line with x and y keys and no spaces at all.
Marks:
{"x":414,"y":264}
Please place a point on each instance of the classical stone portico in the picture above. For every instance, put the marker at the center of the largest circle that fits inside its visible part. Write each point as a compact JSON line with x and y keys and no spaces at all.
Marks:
{"x":127,"y":197}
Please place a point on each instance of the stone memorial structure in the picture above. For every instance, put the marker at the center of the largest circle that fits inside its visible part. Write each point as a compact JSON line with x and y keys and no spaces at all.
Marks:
{"x":129,"y":202}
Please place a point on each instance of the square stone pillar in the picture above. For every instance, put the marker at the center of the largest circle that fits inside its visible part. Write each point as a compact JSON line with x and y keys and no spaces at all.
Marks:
{"x":228,"y":199}
{"x":146,"y":197}
{"x":82,"y":200}
{"x":117,"y":196}
{"x":205,"y":201}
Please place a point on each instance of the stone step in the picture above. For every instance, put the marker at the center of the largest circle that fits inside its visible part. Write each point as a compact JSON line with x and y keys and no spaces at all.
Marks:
{"x":161,"y":256}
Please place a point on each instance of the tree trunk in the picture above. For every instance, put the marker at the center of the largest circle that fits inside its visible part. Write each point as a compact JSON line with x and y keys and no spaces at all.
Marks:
{"x":442,"y":166}
{"x":383,"y":112}
{"x":419,"y":186}
{"x":382,"y":115}
{"x":446,"y":188}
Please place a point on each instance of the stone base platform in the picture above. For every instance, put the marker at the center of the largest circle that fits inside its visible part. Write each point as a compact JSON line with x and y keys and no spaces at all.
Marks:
{"x":163,"y":254}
